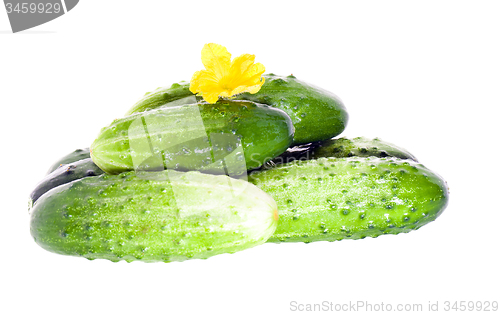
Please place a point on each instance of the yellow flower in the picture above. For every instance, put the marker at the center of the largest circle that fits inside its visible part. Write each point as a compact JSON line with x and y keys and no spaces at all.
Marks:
{"x":223,"y":77}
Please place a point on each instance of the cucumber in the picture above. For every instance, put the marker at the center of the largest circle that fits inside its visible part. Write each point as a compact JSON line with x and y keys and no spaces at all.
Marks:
{"x":176,"y":94}
{"x":341,"y":148}
{"x":74,"y":156}
{"x":329,"y":199}
{"x":316,"y":114}
{"x":228,"y":137}
{"x":65,"y":174}
{"x":168,"y":216}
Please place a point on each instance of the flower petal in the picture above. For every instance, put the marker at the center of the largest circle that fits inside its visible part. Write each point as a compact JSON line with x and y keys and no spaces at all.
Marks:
{"x":217,"y":59}
{"x":241,"y":64}
{"x":239,"y":89}
{"x":255,"y":88}
{"x":196,"y":81}
{"x":223,"y":77}
{"x":211,"y":97}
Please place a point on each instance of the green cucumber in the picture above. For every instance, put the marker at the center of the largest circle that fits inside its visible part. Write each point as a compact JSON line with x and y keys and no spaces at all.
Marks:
{"x":341,"y":148}
{"x":168,"y":216}
{"x":74,"y":156}
{"x":176,"y":94}
{"x":316,"y":114}
{"x":329,"y":199}
{"x":228,"y":137}
{"x":65,"y":174}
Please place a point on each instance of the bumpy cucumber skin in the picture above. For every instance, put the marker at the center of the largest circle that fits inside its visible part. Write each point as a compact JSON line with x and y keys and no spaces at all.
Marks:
{"x":74,"y":156}
{"x":264,"y":133}
{"x":125,"y":217}
{"x":330,"y":199}
{"x":65,"y":174}
{"x":342,"y":148}
{"x":339,"y":148}
{"x":316,"y":114}
{"x":163,"y":96}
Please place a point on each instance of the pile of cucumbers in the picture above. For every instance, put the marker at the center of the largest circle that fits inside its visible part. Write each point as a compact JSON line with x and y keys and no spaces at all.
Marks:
{"x":178,"y":178}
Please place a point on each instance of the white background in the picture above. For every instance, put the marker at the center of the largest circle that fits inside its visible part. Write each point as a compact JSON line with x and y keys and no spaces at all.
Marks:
{"x":424,"y":75}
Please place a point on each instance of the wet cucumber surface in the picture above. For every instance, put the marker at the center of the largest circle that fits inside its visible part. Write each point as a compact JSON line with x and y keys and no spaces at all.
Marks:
{"x":74,"y":156}
{"x":329,"y":199}
{"x":65,"y":174}
{"x":166,"y":216}
{"x":316,"y":113}
{"x":174,"y":95}
{"x":226,"y":137}
{"x":342,"y":148}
